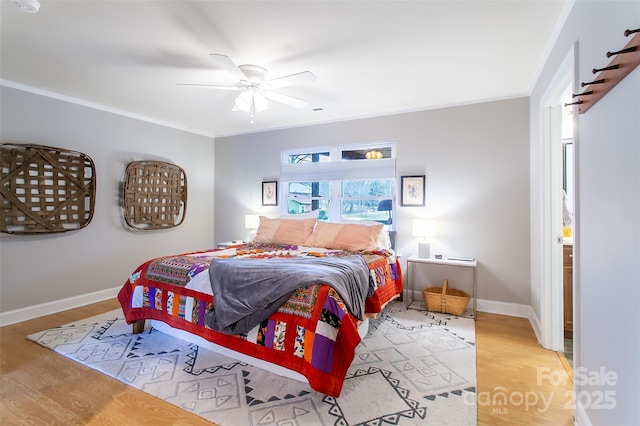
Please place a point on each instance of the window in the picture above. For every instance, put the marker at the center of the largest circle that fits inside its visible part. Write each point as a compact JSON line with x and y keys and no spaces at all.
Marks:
{"x":314,"y":157}
{"x":303,"y":197}
{"x":367,"y":200}
{"x":342,"y":183}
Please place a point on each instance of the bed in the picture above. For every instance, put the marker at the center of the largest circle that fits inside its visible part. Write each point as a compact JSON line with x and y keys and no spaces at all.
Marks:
{"x":308,"y":331}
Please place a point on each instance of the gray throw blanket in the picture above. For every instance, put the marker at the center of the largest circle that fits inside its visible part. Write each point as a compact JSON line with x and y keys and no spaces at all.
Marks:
{"x":248,"y":291}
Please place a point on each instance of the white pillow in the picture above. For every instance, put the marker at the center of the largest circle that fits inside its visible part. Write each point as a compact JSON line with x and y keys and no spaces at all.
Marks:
{"x":384,"y":241}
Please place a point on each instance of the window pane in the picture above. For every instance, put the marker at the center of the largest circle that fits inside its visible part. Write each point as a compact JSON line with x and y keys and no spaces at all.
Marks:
{"x":315,"y":157}
{"x":305,"y":205}
{"x":377,"y":210}
{"x":308,"y":189}
{"x":366,"y":154}
{"x":367,"y":200}
{"x":367,"y":188}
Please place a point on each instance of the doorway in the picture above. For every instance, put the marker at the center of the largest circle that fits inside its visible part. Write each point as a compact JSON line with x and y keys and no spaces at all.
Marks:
{"x":552,"y":309}
{"x":568,"y":197}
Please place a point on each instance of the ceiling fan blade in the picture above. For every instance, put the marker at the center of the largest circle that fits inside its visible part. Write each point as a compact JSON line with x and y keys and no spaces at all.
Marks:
{"x":291,"y":80}
{"x":226,"y":63}
{"x":211,"y":86}
{"x":284,"y":99}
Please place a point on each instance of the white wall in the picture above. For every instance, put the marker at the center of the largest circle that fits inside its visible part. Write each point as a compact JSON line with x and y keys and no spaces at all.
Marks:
{"x":44,"y":269}
{"x":607,"y":229}
{"x":476,"y":163}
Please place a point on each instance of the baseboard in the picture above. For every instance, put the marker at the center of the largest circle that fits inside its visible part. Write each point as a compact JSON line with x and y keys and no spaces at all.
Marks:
{"x":580,"y":417}
{"x":536,"y":325}
{"x":31,"y":312}
{"x":504,"y":308}
{"x":513,"y":310}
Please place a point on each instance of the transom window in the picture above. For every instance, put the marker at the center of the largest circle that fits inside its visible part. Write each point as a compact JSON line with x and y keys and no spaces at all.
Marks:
{"x":342,"y":183}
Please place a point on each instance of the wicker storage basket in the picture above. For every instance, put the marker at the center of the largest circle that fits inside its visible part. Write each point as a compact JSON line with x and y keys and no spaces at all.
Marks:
{"x":447,"y":300}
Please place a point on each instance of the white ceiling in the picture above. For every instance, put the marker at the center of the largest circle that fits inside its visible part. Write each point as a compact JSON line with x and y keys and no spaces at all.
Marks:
{"x":370,"y":57}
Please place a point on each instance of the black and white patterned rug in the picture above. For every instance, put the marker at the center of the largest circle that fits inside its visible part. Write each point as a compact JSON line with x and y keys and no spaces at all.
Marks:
{"x":413,"y":368}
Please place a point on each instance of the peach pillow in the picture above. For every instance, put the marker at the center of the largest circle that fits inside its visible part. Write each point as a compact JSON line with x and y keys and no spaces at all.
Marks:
{"x":284,"y":231}
{"x":345,"y":236}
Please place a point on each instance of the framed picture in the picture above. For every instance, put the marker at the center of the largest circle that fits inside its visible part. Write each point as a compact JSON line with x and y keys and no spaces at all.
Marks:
{"x":270,"y":193}
{"x":412,"y":191}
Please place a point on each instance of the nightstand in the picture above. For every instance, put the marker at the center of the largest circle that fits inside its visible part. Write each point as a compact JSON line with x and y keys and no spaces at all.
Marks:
{"x":441,"y":267}
{"x":228,"y":244}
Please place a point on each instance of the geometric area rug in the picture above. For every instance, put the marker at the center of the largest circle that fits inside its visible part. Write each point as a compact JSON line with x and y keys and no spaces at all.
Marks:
{"x":413,"y":368}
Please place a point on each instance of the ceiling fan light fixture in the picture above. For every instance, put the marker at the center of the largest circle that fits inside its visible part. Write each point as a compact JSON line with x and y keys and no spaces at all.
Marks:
{"x":29,"y":6}
{"x":252,"y":100}
{"x":260,"y":102}
{"x":243,"y":101}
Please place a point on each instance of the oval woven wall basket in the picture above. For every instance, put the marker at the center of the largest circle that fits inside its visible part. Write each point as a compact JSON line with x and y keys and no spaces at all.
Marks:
{"x":45,"y":189}
{"x":154,"y":195}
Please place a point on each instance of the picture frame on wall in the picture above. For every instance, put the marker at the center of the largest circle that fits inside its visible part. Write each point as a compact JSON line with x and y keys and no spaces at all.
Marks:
{"x":412,"y":190}
{"x":270,"y":193}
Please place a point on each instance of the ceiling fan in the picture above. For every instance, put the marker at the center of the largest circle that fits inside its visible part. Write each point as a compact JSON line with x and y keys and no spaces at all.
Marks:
{"x":256,"y":89}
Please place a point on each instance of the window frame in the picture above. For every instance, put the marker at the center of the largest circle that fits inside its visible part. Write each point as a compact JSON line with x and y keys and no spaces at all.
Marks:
{"x":335,"y":170}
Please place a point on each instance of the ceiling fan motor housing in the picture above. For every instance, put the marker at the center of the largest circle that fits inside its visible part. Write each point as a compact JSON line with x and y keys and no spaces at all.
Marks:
{"x":255,"y":74}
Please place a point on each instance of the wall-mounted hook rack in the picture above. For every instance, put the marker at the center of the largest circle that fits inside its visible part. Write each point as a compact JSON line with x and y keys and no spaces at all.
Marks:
{"x":624,"y":61}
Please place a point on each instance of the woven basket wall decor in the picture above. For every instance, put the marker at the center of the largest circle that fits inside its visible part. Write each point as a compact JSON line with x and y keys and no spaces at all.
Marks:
{"x":154,"y":195}
{"x":45,"y":189}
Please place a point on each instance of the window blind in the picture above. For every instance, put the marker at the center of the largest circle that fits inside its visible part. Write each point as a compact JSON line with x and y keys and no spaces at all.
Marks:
{"x":383,"y":168}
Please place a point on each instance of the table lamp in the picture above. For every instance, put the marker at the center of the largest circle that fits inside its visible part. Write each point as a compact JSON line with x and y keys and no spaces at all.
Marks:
{"x":424,"y":228}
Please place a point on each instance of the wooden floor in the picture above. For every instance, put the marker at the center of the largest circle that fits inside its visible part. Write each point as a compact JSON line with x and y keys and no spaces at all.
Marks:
{"x":512,"y":366}
{"x":516,"y":379}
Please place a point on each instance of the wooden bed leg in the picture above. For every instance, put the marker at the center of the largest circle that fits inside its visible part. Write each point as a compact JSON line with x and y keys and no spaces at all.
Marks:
{"x":138,"y":327}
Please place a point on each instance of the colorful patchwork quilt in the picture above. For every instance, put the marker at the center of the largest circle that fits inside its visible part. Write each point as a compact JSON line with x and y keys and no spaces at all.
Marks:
{"x":312,"y":333}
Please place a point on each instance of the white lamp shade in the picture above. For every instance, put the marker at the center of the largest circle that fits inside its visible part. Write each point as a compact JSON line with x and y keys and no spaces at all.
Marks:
{"x":425,"y":228}
{"x":260,"y":102}
{"x":243,"y":101}
{"x":251,"y":221}
{"x":251,"y":99}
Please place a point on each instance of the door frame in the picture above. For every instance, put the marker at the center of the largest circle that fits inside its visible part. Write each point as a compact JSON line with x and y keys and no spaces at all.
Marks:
{"x":551,"y":287}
